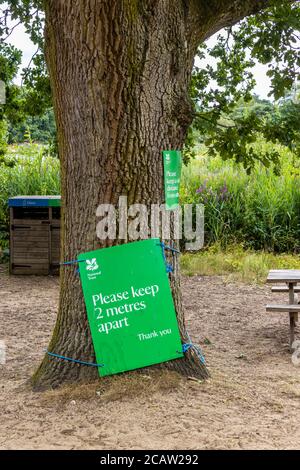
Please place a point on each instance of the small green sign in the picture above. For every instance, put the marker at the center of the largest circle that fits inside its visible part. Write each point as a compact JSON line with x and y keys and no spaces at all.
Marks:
{"x":172,"y":172}
{"x":130,"y":306}
{"x":55,"y":202}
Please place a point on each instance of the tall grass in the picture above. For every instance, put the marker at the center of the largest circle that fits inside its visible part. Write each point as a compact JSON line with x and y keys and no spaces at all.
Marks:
{"x":236,"y":263}
{"x":30,"y":173}
{"x":260,"y":210}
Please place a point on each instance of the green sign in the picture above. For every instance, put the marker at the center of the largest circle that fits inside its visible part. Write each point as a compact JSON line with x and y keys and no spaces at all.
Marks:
{"x":172,"y":172}
{"x":130,"y":306}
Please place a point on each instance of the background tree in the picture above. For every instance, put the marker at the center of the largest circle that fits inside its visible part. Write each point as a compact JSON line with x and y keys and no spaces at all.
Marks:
{"x":41,"y":128}
{"x":271,"y":37}
{"x":121,"y":76}
{"x":34,"y":97}
{"x":10,"y":59}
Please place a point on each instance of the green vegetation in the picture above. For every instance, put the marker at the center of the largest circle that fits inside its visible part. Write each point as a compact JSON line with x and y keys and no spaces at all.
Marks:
{"x":236,"y":263}
{"x":243,"y":125}
{"x":261,"y":210}
{"x":40,"y":129}
{"x":27,"y":171}
{"x":222,"y":78}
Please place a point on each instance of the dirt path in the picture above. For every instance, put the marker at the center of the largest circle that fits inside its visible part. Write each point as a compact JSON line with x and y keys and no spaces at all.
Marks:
{"x":251,"y":401}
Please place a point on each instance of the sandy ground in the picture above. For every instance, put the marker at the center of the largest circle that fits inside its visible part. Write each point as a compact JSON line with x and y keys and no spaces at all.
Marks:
{"x":251,"y":401}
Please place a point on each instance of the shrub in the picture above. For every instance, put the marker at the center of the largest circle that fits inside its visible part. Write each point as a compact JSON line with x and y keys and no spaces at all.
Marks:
{"x":26,"y":172}
{"x":260,"y":210}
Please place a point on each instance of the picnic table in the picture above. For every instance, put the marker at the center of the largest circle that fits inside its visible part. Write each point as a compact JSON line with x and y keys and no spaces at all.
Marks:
{"x":291,"y":278}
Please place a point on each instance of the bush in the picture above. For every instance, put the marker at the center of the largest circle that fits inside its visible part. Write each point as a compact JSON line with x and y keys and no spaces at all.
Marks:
{"x":26,"y":172}
{"x":260,"y":210}
{"x":236,"y":263}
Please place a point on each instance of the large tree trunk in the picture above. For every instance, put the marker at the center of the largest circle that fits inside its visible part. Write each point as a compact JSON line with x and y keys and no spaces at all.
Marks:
{"x":120,"y":73}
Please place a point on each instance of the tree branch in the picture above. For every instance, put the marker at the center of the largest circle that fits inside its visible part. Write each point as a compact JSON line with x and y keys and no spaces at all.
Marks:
{"x":218,"y":124}
{"x":214,"y":15}
{"x":28,"y":66}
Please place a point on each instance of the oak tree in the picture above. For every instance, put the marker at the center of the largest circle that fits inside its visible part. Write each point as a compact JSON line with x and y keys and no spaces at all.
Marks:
{"x":121,"y":74}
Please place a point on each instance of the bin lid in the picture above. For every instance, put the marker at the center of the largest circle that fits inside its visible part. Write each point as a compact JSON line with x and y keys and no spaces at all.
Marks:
{"x":35,"y":201}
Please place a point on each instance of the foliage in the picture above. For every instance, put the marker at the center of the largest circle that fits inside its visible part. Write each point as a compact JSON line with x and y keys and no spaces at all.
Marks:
{"x":35,"y":77}
{"x":29,"y":173}
{"x":3,"y":139}
{"x":40,"y":129}
{"x":34,"y":97}
{"x":260,"y":210}
{"x":270,"y":37}
{"x":239,"y":130}
{"x":236,"y":263}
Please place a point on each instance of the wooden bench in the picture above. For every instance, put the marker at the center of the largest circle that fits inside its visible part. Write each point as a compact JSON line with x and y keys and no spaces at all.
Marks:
{"x":291,"y":277}
{"x":285,"y":289}
{"x":283,"y":308}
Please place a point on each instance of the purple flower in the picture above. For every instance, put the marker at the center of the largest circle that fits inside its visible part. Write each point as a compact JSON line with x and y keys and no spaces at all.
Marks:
{"x":224,"y":189}
{"x":202,"y":188}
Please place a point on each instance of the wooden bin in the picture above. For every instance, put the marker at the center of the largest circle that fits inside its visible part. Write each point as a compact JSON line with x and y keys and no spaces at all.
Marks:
{"x":34,"y":235}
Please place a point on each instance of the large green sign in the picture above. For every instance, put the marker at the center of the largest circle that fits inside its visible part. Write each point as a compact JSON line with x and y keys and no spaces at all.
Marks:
{"x":130,"y":306}
{"x":172,"y":173}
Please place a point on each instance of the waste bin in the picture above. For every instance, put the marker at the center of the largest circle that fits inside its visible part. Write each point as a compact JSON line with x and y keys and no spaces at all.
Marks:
{"x":34,"y":234}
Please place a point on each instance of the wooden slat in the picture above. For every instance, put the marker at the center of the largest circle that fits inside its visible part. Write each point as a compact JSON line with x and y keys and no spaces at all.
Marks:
{"x":295,"y":272}
{"x":28,"y":236}
{"x":23,"y":235}
{"x":38,"y":252}
{"x":30,"y":228}
{"x":283,"y":271}
{"x":30,"y":222}
{"x":284,"y":275}
{"x":30,"y":269}
{"x":29,"y":260}
{"x":27,"y":245}
{"x":283,"y":308}
{"x":284,"y":289}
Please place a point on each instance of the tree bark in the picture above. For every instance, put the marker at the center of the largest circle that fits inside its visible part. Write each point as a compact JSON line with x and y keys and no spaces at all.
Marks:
{"x":120,"y":74}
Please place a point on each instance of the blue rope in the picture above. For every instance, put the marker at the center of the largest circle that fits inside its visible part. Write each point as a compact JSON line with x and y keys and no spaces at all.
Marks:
{"x":167,"y":247}
{"x":169,"y":267}
{"x":69,"y":359}
{"x":186,"y":347}
{"x":197,"y":349}
{"x":172,"y":249}
{"x":69,"y":263}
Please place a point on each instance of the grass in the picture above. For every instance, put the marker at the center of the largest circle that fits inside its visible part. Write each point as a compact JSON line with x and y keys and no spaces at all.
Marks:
{"x":28,"y":171}
{"x":236,"y":263}
{"x":261,"y":210}
{"x":116,"y":388}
